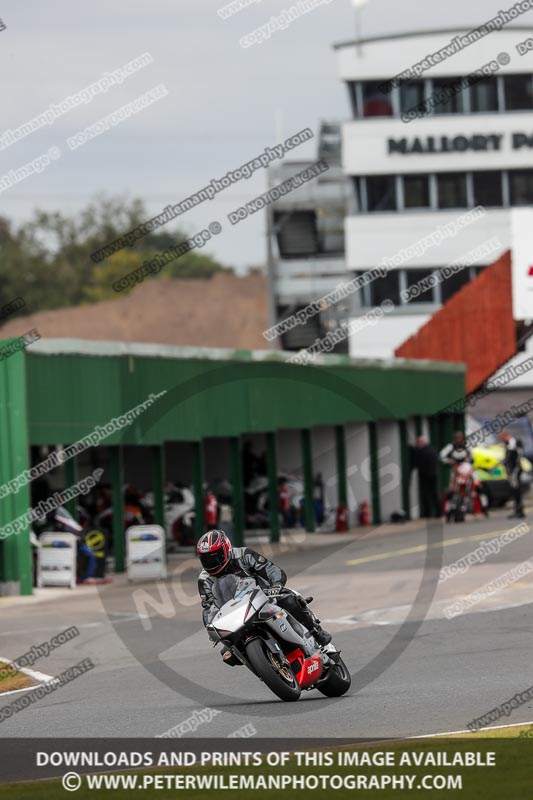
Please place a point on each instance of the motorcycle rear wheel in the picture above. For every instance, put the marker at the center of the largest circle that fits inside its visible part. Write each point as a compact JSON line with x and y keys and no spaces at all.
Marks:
{"x":338,"y":682}
{"x":285,"y":688}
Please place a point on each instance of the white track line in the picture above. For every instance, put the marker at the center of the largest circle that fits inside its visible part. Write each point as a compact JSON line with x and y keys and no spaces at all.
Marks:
{"x":14,"y":691}
{"x":453,"y":733}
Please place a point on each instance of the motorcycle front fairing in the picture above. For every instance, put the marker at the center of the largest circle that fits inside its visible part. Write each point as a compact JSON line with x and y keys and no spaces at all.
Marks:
{"x":239,"y":611}
{"x":249,"y":613}
{"x":240,"y":602}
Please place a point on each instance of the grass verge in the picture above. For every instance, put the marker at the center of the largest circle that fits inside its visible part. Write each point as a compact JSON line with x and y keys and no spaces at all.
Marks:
{"x":10,"y":680}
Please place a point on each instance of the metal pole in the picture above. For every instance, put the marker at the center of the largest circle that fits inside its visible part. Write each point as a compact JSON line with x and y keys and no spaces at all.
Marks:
{"x":358,"y":30}
{"x":271,"y":273}
{"x":307,"y":463}
{"x":236,"y":479}
{"x":340,"y":446}
{"x":70,"y":473}
{"x":405,"y":470}
{"x":15,"y":556}
{"x":432,"y":441}
{"x":374,"y":473}
{"x":158,"y":482}
{"x":198,"y":488}
{"x":272,"y":472}
{"x":117,"y":481}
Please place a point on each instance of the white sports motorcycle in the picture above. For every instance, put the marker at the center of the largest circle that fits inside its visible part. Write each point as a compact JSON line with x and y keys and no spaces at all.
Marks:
{"x":272,"y":643}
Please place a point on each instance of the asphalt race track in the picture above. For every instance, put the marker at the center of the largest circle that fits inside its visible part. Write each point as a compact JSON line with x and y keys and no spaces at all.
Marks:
{"x":415,"y":671}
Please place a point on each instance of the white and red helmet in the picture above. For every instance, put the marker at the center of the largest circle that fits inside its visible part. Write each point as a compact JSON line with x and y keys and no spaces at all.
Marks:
{"x":214,"y":551}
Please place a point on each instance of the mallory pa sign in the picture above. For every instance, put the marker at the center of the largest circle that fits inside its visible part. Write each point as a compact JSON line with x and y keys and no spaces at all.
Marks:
{"x":457,"y":144}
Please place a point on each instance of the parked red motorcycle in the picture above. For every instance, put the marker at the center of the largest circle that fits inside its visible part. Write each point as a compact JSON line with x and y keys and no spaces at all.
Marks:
{"x":463,"y":496}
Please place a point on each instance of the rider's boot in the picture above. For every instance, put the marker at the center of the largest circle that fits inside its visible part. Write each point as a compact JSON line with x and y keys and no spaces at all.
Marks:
{"x":322,"y":636}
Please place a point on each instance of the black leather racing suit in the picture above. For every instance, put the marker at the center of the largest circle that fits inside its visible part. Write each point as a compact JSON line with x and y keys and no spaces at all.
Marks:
{"x":247,"y":563}
{"x":514,"y":452}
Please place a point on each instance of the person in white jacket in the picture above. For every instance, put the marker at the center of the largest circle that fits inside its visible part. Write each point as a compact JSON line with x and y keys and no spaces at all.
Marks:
{"x":457,"y":451}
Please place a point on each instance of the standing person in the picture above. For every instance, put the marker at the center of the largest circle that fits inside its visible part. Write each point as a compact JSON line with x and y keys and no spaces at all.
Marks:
{"x":513,"y":454}
{"x":426,"y":461}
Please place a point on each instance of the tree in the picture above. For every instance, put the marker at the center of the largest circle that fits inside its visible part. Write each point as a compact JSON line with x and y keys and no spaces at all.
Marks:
{"x":107,"y":272}
{"x":47,"y":262}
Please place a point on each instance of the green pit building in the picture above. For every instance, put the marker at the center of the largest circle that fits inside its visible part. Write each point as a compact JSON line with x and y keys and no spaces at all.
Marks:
{"x":350,"y":421}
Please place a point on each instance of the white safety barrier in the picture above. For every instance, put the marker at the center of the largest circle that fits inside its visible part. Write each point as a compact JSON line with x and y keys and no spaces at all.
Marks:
{"x":56,"y":564}
{"x":146,"y":556}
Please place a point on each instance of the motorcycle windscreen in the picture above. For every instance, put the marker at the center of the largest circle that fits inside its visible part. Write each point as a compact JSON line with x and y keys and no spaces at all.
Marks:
{"x":225,"y":589}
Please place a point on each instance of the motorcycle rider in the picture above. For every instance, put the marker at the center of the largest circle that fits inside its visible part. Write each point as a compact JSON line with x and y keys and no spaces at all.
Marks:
{"x":513,"y":455}
{"x":457,"y":452}
{"x":218,"y":557}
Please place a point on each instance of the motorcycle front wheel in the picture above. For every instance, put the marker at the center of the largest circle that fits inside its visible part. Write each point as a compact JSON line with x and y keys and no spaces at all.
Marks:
{"x":278,"y":677}
{"x":338,"y":681}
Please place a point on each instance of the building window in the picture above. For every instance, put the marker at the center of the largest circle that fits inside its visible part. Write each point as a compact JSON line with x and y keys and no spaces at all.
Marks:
{"x":484,"y":95}
{"x":413,"y":278}
{"x":360,"y":297}
{"x":381,"y":193}
{"x":447,"y":96}
{"x":488,"y":189}
{"x":518,"y":92}
{"x":416,"y":191}
{"x":451,"y":188}
{"x":521,"y":185}
{"x":297,"y":233}
{"x":387,"y":288}
{"x":375,"y":102}
{"x":451,"y":285}
{"x":411,"y":94}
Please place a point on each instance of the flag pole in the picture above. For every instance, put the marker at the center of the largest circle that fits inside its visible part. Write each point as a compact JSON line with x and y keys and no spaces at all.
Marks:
{"x":358,"y":4}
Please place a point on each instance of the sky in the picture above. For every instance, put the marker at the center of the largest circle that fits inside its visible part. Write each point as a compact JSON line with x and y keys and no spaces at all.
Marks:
{"x":224,"y":104}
